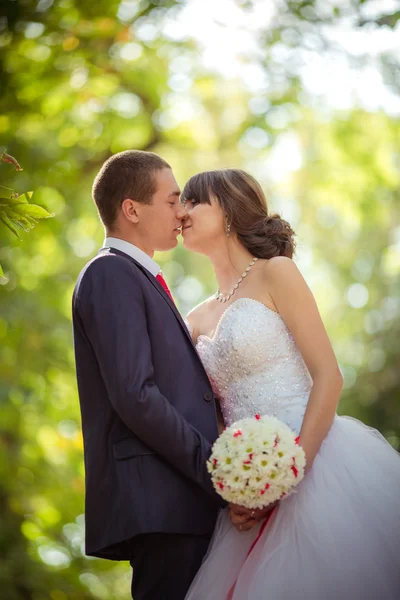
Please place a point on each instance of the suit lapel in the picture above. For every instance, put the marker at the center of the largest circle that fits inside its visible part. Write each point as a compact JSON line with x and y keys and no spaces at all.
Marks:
{"x":158,"y":288}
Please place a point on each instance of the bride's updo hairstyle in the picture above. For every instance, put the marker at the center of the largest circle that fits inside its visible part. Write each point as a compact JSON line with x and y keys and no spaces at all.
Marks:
{"x":245,"y":207}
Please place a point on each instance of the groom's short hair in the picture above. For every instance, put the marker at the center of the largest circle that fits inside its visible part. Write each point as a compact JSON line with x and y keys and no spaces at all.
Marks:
{"x":128,"y":174}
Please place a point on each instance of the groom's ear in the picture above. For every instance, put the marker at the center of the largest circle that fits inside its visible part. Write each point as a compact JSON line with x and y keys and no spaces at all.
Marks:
{"x":129,"y":209}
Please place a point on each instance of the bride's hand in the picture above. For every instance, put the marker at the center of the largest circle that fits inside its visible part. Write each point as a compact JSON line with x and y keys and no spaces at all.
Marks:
{"x":241,"y":520}
{"x":245,"y":518}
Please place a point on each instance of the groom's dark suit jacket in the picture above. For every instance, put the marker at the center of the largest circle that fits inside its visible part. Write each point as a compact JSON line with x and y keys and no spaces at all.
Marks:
{"x":148,"y":410}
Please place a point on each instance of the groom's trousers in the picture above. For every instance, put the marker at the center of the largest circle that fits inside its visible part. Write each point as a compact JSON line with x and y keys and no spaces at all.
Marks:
{"x":164,"y":564}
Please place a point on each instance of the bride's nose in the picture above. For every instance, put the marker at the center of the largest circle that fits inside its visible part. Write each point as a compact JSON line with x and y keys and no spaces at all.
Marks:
{"x":182,"y":213}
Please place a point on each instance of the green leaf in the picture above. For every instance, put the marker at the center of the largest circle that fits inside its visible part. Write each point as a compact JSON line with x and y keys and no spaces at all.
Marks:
{"x":31,"y":221}
{"x":12,"y":213}
{"x":33,"y":210}
{"x":8,"y":223}
{"x":13,"y":200}
{"x":25,"y":224}
{"x":20,"y":224}
{"x":2,"y":273}
{"x":25,"y":197}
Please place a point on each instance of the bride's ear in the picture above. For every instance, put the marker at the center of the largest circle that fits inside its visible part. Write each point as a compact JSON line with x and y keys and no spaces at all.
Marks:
{"x":129,"y":209}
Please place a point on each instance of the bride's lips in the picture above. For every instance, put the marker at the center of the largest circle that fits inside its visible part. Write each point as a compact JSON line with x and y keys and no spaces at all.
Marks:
{"x":186,"y":227}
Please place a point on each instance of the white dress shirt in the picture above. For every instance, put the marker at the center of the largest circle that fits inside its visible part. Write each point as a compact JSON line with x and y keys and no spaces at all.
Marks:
{"x":135,"y":252}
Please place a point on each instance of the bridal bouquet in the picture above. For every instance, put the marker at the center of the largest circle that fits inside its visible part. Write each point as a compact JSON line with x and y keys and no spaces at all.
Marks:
{"x":256,"y":461}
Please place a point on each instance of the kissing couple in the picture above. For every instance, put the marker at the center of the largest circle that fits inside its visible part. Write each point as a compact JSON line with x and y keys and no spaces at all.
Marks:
{"x":155,"y":391}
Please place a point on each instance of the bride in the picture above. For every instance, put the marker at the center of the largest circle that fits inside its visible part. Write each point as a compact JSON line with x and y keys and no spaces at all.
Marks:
{"x":266,"y":351}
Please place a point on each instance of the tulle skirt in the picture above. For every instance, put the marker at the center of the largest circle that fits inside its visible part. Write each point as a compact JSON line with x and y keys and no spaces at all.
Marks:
{"x":336,"y":538}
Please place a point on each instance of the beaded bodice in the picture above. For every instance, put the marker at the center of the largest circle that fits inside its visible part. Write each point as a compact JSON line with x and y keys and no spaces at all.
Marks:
{"x":255,"y":366}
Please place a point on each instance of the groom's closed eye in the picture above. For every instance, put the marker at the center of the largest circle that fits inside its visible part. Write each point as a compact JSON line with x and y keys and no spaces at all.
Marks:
{"x":174,"y":197}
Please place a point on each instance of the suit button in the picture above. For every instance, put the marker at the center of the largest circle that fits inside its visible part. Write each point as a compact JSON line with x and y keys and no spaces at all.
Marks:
{"x":208,"y":396}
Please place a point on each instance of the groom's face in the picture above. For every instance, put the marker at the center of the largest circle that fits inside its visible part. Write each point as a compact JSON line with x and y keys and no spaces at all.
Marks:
{"x":161,"y":220}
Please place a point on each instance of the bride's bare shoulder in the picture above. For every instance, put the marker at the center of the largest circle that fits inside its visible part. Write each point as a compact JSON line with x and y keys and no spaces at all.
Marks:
{"x":280,"y":269}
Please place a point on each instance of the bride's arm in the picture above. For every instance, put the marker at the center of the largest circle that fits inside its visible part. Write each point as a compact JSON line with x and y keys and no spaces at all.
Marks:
{"x":296,"y":305}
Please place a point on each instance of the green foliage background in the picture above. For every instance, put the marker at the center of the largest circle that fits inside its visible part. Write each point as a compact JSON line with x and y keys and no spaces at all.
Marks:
{"x":82,"y":80}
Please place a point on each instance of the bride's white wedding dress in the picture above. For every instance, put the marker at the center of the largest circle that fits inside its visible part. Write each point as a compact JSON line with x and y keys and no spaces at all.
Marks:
{"x":338,"y":536}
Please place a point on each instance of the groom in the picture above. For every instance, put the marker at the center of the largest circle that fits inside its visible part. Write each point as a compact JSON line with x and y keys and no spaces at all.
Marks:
{"x":148,"y":410}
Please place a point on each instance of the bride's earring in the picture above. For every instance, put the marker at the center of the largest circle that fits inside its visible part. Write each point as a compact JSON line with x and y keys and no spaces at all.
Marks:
{"x":228,"y":229}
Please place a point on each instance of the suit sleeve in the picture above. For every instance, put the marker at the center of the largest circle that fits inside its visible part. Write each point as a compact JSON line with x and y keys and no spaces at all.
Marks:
{"x":111,"y":305}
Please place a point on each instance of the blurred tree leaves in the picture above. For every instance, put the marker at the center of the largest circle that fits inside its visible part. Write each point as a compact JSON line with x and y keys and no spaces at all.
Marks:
{"x":349,"y":195}
{"x":82,"y":80}
{"x":76,"y":85}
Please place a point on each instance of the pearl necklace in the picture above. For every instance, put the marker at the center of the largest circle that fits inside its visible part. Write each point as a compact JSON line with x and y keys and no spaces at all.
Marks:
{"x":222,"y":298}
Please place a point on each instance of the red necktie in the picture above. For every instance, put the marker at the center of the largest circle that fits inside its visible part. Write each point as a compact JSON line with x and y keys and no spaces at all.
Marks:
{"x":163,"y":283}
